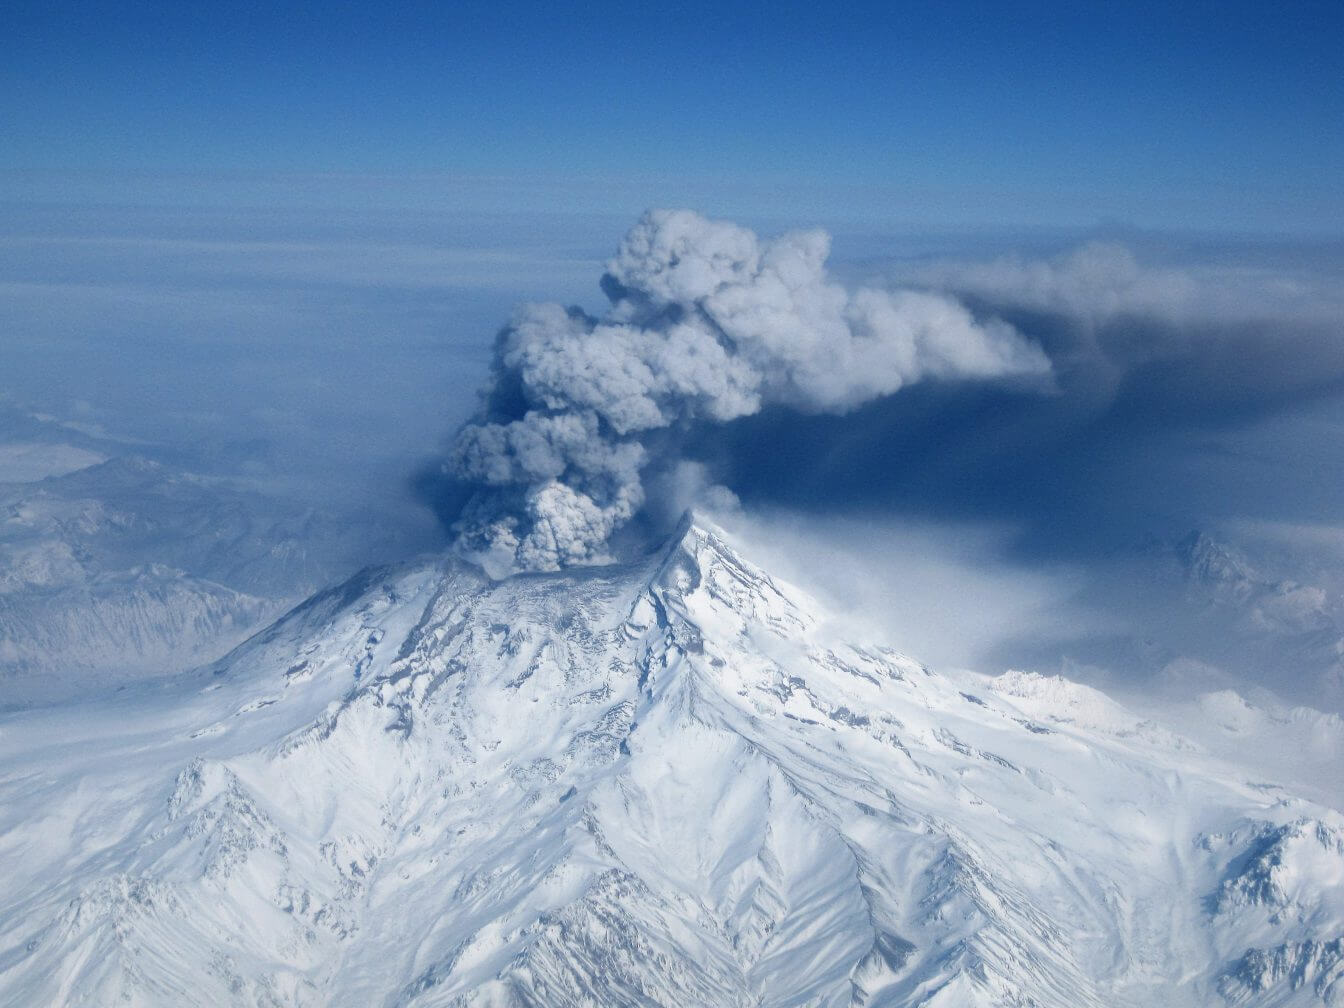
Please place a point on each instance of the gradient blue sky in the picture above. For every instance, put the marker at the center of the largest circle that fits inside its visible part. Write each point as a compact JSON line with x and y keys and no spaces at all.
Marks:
{"x":1209,"y":116}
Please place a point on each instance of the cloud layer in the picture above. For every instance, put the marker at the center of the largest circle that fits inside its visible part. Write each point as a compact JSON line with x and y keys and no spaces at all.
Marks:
{"x":707,"y":324}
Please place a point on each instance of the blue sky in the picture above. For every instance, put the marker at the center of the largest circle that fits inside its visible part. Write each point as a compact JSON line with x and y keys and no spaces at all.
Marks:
{"x":1221,"y":117}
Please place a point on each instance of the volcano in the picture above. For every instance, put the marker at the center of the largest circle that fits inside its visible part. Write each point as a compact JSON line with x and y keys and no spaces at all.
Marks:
{"x":662,"y":783}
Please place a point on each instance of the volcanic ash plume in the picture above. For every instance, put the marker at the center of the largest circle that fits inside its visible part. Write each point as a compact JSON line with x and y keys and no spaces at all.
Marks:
{"x":707,"y":323}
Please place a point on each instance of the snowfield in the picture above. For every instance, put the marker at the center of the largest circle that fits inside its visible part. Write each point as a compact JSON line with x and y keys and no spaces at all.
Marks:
{"x":664,"y":783}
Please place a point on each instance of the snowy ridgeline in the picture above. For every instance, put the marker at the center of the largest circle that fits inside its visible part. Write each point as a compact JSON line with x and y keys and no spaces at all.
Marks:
{"x":657,"y":784}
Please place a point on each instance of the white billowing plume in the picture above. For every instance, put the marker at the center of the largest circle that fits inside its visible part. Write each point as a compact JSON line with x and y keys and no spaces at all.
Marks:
{"x":707,"y":323}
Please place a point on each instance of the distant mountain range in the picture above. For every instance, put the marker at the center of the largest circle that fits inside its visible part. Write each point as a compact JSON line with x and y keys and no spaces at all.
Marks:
{"x":1290,"y":631}
{"x":114,"y":567}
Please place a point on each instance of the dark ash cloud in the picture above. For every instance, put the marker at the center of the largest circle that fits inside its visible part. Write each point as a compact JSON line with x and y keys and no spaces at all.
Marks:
{"x":1200,"y":399}
{"x":1206,"y":387}
{"x":707,"y":324}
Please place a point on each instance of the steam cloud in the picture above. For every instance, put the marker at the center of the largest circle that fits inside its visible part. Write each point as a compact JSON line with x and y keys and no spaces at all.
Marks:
{"x":707,"y":324}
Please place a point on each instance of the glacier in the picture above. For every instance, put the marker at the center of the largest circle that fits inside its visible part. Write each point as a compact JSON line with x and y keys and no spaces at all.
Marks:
{"x":665,"y":782}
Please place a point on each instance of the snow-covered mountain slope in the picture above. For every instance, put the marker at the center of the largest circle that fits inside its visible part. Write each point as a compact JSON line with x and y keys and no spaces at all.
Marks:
{"x":657,"y":784}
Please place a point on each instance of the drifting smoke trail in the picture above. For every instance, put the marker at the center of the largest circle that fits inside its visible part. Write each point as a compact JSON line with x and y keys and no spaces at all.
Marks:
{"x":707,"y":323}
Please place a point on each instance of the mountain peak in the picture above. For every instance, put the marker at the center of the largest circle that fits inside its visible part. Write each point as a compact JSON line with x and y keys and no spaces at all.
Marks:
{"x":661,"y":783}
{"x":1209,"y":561}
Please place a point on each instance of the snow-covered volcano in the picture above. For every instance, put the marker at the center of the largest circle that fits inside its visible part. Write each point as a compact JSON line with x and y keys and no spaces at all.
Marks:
{"x":657,"y":784}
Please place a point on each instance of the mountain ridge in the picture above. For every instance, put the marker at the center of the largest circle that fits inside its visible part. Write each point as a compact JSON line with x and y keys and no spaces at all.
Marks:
{"x":658,"y":783}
